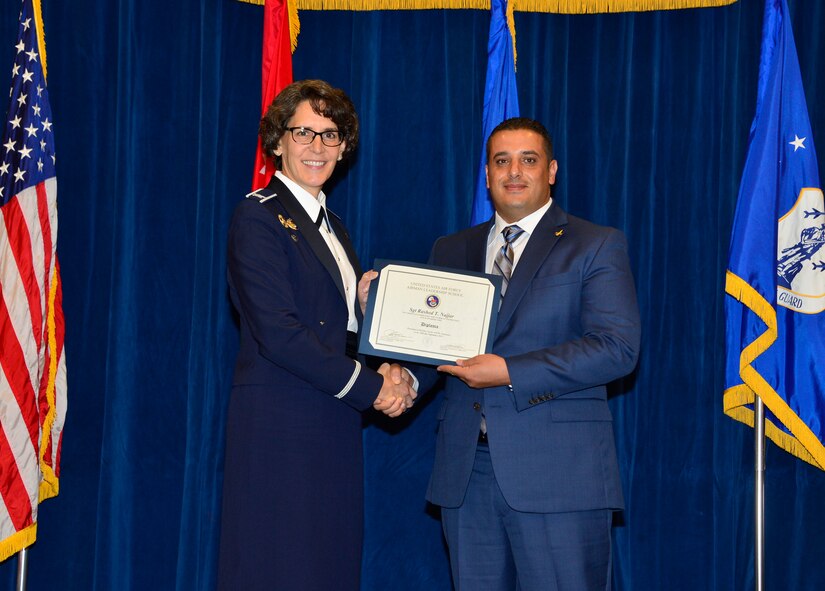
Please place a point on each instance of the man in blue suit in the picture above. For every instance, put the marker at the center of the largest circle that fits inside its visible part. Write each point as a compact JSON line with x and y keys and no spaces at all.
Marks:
{"x":525,"y":468}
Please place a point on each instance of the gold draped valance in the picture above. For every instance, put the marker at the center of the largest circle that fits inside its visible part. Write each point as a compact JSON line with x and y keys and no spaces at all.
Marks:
{"x":554,"y":6}
{"x":557,"y":6}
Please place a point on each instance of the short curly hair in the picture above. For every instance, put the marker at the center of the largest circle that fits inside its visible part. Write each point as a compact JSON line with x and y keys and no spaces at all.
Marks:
{"x":325,"y":100}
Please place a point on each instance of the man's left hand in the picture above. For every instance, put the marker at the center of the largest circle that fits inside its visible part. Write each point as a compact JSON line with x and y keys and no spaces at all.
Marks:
{"x":481,"y":371}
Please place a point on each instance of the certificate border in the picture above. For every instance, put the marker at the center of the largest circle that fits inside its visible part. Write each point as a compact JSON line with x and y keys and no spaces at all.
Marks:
{"x":366,"y":348}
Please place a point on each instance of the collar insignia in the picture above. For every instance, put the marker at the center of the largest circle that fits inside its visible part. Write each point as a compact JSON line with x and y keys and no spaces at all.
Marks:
{"x":559,"y":233}
{"x":287,"y":223}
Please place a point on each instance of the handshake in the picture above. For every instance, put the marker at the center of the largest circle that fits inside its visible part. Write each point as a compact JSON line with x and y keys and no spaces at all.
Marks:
{"x":397,"y":394}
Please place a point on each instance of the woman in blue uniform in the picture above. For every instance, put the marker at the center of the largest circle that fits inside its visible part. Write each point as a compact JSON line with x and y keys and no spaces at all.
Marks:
{"x":293,"y":487}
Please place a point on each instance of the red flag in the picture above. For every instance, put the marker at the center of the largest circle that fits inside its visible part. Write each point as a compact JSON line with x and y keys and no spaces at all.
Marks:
{"x":275,"y":75}
{"x":32,"y":361}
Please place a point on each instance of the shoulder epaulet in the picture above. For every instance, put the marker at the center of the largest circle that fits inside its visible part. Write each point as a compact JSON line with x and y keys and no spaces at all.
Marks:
{"x":262,"y":195}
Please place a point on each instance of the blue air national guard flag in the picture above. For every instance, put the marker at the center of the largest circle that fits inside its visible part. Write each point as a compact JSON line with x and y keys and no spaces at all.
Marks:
{"x":775,"y":317}
{"x":500,"y":96}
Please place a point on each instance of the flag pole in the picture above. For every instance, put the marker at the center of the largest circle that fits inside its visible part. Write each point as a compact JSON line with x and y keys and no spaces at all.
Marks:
{"x":22,"y":569}
{"x":759,"y":494}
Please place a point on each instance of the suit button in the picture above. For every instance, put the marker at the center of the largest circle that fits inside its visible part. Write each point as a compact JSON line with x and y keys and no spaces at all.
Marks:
{"x":476,"y":406}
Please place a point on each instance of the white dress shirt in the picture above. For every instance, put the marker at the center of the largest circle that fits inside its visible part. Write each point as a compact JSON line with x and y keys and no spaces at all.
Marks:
{"x":495,"y":240}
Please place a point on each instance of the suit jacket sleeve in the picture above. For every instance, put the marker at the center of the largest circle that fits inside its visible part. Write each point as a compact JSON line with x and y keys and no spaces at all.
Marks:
{"x":259,"y":271}
{"x":608,"y":345}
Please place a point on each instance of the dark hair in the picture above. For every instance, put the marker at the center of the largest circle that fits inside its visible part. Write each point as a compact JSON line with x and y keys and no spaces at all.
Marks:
{"x":325,"y":100}
{"x":516,"y":123}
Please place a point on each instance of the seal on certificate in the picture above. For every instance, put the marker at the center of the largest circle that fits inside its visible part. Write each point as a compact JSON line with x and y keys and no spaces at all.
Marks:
{"x":433,"y":301}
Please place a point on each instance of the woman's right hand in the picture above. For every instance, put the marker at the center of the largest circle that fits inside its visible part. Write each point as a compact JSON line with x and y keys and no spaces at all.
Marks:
{"x":396,"y":395}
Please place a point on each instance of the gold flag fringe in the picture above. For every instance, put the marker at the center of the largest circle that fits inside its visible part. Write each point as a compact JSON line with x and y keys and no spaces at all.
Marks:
{"x":41,"y":38}
{"x":801,"y":442}
{"x":17,"y":541}
{"x":553,"y":6}
{"x":294,"y":24}
{"x":511,"y":24}
{"x":50,"y":484}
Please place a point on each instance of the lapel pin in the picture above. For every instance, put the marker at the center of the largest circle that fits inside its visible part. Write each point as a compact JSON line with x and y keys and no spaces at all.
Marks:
{"x":294,"y":238}
{"x":559,"y":233}
{"x":287,"y":223}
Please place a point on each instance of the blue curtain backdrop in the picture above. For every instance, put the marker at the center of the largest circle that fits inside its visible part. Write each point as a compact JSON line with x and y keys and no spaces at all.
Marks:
{"x":156,"y":105}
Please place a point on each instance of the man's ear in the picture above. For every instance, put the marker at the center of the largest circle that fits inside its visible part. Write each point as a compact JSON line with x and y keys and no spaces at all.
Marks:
{"x":552,"y":170}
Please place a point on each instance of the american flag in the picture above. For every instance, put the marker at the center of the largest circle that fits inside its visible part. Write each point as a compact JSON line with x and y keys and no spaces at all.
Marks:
{"x":33,"y":376}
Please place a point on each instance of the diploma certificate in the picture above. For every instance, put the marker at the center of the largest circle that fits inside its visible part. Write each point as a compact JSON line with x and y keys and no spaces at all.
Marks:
{"x":428,"y":314}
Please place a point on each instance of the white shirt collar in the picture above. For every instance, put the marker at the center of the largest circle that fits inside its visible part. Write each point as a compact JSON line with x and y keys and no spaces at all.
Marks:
{"x":527,"y":223}
{"x":310,"y":204}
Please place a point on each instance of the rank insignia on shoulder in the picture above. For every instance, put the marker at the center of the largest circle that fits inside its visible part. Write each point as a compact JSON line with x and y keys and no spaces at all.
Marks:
{"x":287,"y":223}
{"x":559,"y":233}
{"x":261,"y":195}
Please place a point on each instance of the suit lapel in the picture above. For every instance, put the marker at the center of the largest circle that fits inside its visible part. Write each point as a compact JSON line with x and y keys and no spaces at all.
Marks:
{"x":309,"y":231}
{"x":548,"y":232}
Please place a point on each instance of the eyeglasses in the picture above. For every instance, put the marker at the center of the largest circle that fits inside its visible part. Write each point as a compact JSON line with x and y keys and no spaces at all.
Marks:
{"x":305,"y":136}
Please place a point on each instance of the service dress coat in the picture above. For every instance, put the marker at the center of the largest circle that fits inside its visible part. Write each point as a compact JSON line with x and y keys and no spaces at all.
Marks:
{"x":568,"y":325}
{"x":293,"y":482}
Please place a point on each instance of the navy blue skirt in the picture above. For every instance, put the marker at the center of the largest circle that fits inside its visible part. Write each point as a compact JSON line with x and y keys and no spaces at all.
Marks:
{"x":293,"y":493}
